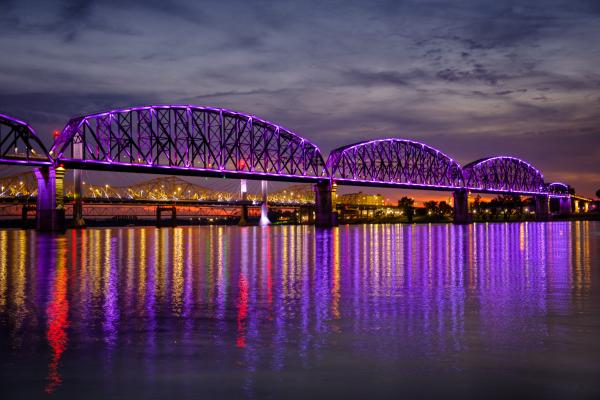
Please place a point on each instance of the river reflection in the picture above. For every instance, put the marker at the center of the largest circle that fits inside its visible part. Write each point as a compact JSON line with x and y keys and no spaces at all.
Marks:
{"x":291,"y":311}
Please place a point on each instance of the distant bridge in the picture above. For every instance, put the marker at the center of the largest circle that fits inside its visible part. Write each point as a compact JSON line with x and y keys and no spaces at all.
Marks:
{"x":211,"y":142}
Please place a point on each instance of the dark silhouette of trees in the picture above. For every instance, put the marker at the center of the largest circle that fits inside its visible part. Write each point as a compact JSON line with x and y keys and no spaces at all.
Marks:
{"x":406,"y":204}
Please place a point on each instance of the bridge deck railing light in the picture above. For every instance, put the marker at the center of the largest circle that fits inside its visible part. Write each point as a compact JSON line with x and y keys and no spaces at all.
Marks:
{"x":188,"y":140}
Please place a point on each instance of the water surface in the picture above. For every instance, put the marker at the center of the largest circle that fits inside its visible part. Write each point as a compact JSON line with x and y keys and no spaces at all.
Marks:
{"x":370,"y":311}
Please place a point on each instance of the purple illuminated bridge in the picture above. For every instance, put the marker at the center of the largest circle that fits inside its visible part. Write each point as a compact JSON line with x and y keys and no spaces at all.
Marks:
{"x":188,"y":140}
{"x":212,"y":142}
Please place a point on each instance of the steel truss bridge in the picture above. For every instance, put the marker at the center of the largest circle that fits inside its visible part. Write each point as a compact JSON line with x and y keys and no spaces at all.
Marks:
{"x":211,"y":142}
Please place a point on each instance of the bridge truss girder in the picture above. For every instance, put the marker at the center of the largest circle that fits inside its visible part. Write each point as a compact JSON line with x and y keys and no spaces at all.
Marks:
{"x":503,"y":174}
{"x":188,"y":140}
{"x":395,"y":163}
{"x":19,"y":144}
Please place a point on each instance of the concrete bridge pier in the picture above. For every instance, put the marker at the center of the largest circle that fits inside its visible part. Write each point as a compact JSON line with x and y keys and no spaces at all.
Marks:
{"x":564,"y":206}
{"x":461,"y":207}
{"x":172,"y":222}
{"x":325,"y":214}
{"x":542,"y":207}
{"x":25,"y":210}
{"x":50,"y":210}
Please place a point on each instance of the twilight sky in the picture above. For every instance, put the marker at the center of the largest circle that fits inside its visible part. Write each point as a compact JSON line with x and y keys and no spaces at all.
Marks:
{"x":472,"y":78}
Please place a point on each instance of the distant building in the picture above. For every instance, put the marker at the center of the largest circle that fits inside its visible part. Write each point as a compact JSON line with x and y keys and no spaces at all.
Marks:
{"x":360,"y":198}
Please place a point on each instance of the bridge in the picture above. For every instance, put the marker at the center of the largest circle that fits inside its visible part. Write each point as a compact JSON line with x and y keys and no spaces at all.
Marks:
{"x":211,"y":142}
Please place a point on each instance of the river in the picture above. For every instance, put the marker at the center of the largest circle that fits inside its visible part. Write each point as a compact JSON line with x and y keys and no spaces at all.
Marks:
{"x":498,"y":310}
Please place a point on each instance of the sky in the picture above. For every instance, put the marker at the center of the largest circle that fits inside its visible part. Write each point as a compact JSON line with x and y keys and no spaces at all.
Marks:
{"x":471,"y":78}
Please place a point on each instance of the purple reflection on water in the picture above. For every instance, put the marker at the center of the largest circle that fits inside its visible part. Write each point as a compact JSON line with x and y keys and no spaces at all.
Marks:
{"x":294,"y":311}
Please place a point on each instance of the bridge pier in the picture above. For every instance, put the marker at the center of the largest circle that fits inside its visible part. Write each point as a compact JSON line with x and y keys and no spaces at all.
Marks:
{"x":244,"y":211}
{"x":172,"y":222}
{"x":564,"y":206}
{"x":264,"y":208}
{"x":25,"y":214}
{"x":461,"y":207}
{"x":50,"y":212}
{"x":325,"y":216}
{"x":542,"y":207}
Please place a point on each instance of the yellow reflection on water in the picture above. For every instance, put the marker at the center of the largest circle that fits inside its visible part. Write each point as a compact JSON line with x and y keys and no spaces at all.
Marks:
{"x":3,"y":269}
{"x":335,"y":289}
{"x":177,"y":292}
{"x":18,"y":280}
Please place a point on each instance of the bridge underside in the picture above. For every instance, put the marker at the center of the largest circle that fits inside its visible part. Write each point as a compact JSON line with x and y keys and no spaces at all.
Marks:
{"x":393,"y":185}
{"x":183,"y":171}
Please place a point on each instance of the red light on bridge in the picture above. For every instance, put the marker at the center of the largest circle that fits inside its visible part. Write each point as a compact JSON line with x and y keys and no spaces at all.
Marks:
{"x":56,"y":134}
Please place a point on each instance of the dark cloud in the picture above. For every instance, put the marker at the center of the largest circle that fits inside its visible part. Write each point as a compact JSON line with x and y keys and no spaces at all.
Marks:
{"x":367,"y":78}
{"x":478,"y":72}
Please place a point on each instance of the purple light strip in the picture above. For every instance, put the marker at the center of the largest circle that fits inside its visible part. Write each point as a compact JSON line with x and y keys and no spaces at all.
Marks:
{"x":400,"y":184}
{"x":215,"y":172}
{"x":16,"y":121}
{"x":24,"y":161}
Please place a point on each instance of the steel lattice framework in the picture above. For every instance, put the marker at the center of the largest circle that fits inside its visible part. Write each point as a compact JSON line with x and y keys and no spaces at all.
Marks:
{"x":188,"y":140}
{"x":557,"y":189}
{"x":503,"y":175}
{"x":20,"y":145}
{"x":394,"y":162}
{"x":19,"y":185}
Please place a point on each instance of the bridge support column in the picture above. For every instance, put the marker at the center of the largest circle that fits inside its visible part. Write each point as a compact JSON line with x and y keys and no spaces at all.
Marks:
{"x":172,"y":222}
{"x":244,"y":211}
{"x":564,"y":205}
{"x":461,"y":207}
{"x":541,"y":207}
{"x":50,"y":210}
{"x":264,"y":208}
{"x":78,"y":221}
{"x":325,"y":216}
{"x":24,"y":212}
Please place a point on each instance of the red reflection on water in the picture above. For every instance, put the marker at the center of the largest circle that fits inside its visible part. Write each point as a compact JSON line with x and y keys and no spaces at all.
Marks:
{"x":242,"y":311}
{"x":58,"y":321}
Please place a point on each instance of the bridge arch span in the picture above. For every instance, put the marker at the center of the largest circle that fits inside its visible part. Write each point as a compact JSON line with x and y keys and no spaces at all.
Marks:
{"x":394,"y":162}
{"x":503,"y":174}
{"x":557,"y":189}
{"x":19,"y":144}
{"x":188,"y":140}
